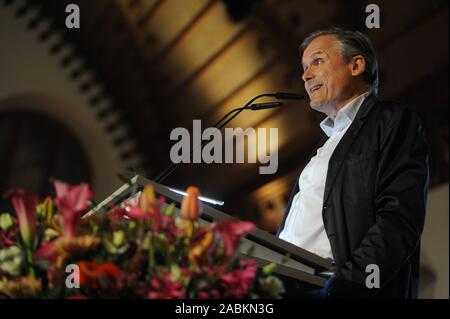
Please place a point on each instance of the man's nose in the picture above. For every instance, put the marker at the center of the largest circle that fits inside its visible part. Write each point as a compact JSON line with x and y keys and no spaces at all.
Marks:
{"x":307,"y":75}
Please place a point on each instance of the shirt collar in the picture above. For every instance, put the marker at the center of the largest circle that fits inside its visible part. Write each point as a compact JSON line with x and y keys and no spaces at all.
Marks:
{"x":344,"y":116}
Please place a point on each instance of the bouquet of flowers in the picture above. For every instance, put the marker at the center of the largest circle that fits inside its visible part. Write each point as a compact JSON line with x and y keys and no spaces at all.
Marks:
{"x":140,"y":249}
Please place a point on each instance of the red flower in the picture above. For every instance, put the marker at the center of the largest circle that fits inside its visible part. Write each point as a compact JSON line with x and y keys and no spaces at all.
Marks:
{"x":238,"y":282}
{"x":46,"y":252}
{"x":71,"y":201}
{"x":116,"y":216}
{"x":54,"y":276}
{"x":213,"y":293}
{"x":7,"y":238}
{"x":232,"y":232}
{"x":164,"y":288}
{"x":25,"y":204}
{"x":92,"y":273}
{"x":135,"y":212}
{"x":77,"y":297}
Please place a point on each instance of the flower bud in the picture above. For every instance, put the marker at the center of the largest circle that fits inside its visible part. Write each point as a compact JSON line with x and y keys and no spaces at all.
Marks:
{"x":190,"y":205}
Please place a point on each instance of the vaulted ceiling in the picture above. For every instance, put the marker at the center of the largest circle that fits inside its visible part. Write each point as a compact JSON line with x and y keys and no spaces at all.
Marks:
{"x":166,"y":62}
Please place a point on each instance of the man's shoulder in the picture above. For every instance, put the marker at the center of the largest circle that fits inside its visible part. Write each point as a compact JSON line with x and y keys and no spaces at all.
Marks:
{"x":390,"y":108}
{"x":393,"y":111}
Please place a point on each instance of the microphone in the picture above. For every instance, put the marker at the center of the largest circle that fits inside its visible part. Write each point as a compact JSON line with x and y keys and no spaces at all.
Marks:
{"x":288,"y":96}
{"x":264,"y":106}
{"x":259,"y":106}
{"x":254,"y":107}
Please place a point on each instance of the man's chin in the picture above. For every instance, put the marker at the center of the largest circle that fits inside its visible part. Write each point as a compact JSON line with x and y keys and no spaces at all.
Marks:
{"x":316,"y":105}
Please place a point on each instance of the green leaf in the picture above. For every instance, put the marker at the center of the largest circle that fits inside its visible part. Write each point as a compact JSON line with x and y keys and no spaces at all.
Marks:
{"x":6,"y":221}
{"x":170,"y":210}
{"x":132,"y":225}
{"x":115,"y":250}
{"x":40,"y":211}
{"x":175,"y":272}
{"x":267,"y":269}
{"x":271,"y":287}
{"x":118,"y":238}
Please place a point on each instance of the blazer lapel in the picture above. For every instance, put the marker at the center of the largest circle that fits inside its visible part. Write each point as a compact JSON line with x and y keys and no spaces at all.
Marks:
{"x":344,"y":146}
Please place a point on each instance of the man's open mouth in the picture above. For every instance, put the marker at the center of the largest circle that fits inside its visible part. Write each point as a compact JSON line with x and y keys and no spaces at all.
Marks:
{"x":315,"y":88}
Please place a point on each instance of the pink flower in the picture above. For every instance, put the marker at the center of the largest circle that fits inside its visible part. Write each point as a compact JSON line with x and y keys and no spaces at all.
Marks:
{"x":213,"y":293}
{"x":164,"y":288}
{"x":232,"y":232}
{"x":71,"y":201}
{"x":46,"y":252}
{"x":7,"y":238}
{"x":116,"y":216}
{"x":151,"y":212}
{"x":155,"y":215}
{"x":238,"y":282}
{"x":25,"y":204}
{"x":134,"y":212}
{"x":215,"y":270}
{"x":77,"y":297}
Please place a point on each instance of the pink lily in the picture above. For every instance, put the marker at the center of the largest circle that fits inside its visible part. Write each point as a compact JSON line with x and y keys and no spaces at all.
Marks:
{"x":164,"y":288}
{"x":71,"y":201}
{"x":46,"y":252}
{"x":232,"y":232}
{"x":25,"y":203}
{"x":135,"y":212}
{"x":239,"y":281}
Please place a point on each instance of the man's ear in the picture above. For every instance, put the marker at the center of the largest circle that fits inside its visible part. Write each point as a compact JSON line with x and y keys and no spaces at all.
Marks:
{"x":358,"y":63}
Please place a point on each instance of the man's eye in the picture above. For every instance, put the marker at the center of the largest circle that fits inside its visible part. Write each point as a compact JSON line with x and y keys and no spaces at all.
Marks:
{"x":317,"y":61}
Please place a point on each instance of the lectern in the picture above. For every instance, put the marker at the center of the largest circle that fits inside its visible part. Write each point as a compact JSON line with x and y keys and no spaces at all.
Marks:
{"x":297,"y":267}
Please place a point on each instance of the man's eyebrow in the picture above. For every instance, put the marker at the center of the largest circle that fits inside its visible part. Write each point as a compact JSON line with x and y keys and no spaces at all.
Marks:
{"x":318,"y":52}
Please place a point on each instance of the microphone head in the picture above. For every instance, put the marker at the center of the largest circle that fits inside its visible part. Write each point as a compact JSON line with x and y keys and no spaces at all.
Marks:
{"x":289,"y":96}
{"x":263,"y":106}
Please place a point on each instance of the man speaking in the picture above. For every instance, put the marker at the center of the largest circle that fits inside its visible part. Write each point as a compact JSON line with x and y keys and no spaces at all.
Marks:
{"x":361,"y":198}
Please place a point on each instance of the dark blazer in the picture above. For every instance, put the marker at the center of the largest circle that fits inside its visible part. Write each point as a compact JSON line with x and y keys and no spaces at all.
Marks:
{"x":374,"y":201}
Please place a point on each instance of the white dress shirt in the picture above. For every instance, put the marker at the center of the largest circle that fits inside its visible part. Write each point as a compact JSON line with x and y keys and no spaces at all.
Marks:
{"x":304,"y":224}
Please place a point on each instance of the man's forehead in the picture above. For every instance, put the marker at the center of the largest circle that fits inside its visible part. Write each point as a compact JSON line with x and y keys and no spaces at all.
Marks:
{"x":321,"y":44}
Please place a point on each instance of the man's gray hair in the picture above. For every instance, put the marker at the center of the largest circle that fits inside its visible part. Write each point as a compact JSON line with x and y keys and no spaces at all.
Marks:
{"x":352,"y":43}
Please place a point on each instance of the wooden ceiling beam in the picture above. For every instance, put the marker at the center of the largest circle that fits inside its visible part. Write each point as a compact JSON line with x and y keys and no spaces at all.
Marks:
{"x":184,"y":32}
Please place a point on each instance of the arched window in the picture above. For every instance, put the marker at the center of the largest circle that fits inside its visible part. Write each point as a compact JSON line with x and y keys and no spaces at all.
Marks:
{"x":35,"y":148}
